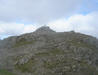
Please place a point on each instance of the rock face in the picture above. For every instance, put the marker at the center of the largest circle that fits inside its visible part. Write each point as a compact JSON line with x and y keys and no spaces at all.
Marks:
{"x":46,"y":52}
{"x":44,"y":30}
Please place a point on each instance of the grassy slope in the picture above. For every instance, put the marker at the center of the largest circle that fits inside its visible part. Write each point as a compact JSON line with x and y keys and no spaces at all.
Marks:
{"x":5,"y":72}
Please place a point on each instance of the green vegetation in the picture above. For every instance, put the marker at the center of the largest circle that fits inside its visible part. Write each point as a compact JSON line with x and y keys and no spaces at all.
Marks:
{"x":56,"y":51}
{"x":50,"y":52}
{"x":87,"y":69}
{"x":51,"y":65}
{"x":22,"y":42}
{"x":27,"y":67}
{"x":84,"y":67}
{"x":5,"y":72}
{"x":78,"y":43}
{"x":42,"y":54}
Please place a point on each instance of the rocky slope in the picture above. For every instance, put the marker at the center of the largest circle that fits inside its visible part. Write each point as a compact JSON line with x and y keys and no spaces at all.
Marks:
{"x":46,"y":52}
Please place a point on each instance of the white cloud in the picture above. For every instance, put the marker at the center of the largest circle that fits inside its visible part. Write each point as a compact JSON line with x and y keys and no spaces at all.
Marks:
{"x":12,"y":29}
{"x":46,"y":11}
{"x":60,"y":25}
{"x":29,"y":28}
{"x":86,"y":24}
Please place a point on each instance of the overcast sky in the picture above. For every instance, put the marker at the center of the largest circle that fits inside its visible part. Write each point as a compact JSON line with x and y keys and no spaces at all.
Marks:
{"x":24,"y":16}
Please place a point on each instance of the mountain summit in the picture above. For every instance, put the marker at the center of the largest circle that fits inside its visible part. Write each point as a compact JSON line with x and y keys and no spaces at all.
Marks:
{"x":44,"y":30}
{"x":46,"y":52}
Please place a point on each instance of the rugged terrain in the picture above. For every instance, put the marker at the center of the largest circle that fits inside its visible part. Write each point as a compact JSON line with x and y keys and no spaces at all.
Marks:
{"x":46,"y":52}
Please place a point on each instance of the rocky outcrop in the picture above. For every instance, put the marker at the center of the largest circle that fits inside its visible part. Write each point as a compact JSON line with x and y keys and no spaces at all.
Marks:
{"x":46,"y":52}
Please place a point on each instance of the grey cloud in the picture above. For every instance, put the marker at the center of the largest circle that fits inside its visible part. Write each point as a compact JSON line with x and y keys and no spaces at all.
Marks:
{"x":38,"y":11}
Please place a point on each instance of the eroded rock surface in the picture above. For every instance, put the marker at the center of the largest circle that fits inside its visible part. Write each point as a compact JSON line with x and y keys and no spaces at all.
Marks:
{"x":46,"y":52}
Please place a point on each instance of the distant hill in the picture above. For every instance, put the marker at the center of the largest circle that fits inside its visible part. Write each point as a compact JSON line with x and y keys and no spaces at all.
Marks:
{"x":46,"y":52}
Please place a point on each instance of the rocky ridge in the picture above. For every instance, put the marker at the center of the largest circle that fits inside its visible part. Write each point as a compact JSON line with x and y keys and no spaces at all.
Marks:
{"x":46,"y":52}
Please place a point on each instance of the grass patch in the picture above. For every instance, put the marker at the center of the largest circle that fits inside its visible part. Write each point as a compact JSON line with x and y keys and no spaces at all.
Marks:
{"x":50,"y":52}
{"x":27,"y":67}
{"x":56,"y":51}
{"x":88,"y":69}
{"x":50,"y":65}
{"x":22,"y":42}
{"x":5,"y":72}
{"x":54,"y":63}
{"x":42,"y":54}
{"x":81,"y":44}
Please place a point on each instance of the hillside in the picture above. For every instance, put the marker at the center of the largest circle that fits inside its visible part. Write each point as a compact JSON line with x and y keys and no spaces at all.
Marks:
{"x":46,"y":52}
